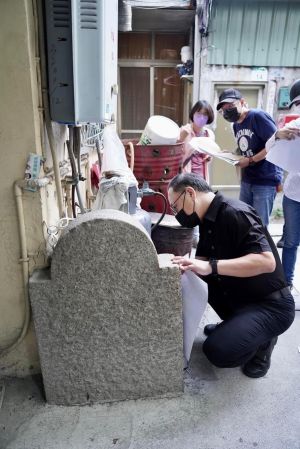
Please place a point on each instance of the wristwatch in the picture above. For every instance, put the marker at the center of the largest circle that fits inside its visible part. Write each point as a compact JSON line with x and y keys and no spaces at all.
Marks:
{"x":214,"y":266}
{"x":251,"y":161}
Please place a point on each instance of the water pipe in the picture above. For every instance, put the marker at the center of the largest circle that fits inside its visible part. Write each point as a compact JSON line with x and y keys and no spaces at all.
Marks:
{"x":24,"y":260}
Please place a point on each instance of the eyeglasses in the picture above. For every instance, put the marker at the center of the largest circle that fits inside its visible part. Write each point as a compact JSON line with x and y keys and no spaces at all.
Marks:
{"x":173,"y":207}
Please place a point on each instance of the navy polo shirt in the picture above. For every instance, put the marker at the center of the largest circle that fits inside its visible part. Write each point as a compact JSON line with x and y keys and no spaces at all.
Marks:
{"x":232,"y":229}
{"x":251,"y":136}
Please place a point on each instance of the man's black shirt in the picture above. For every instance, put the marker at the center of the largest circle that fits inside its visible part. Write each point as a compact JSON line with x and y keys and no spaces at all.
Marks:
{"x":232,"y":229}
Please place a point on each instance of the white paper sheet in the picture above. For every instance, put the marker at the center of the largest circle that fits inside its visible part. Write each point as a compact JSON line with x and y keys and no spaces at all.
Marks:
{"x":194,"y":301}
{"x":209,"y":146}
{"x":285,"y":154}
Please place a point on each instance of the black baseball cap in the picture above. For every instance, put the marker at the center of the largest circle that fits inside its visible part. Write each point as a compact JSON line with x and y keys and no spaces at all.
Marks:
{"x":295,"y":93}
{"x":228,"y":96}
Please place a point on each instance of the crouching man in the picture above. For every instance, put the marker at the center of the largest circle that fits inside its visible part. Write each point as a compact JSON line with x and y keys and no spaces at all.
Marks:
{"x":236,"y":257}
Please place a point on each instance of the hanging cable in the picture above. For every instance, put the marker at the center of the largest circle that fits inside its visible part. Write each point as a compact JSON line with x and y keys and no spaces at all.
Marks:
{"x":75,"y":176}
{"x":98,"y":153}
{"x":73,"y":168}
{"x":163,"y":213}
{"x":77,"y":150}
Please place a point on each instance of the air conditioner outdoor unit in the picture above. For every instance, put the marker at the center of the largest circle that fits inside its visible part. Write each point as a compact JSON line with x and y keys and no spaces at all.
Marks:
{"x":82,"y":60}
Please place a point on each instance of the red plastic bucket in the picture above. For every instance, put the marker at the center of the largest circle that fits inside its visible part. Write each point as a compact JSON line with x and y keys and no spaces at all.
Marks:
{"x":156,"y":162}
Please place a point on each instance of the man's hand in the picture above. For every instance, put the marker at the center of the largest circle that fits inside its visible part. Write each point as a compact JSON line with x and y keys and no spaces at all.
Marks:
{"x":287,"y":133}
{"x":243,"y":162}
{"x":201,"y":267}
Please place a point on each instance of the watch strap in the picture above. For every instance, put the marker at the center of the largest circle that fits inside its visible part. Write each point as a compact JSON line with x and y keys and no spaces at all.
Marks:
{"x":214,"y":266}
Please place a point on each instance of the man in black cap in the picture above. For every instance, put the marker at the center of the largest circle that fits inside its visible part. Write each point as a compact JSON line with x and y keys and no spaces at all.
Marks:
{"x":252,"y":128}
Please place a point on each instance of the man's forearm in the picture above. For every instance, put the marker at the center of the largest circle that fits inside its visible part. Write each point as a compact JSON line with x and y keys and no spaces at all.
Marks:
{"x":289,"y":131}
{"x":247,"y":266}
{"x":242,"y":267}
{"x":246,"y":161}
{"x":259,"y":156}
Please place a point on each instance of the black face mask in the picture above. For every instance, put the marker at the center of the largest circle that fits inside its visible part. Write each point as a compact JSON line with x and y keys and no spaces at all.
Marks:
{"x":231,"y":115}
{"x":187,"y":221}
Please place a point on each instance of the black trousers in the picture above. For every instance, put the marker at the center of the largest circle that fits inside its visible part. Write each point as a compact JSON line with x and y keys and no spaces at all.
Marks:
{"x":237,"y":339}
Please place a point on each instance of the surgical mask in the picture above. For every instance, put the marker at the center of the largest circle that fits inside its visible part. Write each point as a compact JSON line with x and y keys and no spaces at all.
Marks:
{"x":200,"y":120}
{"x":187,"y":221}
{"x":231,"y":115}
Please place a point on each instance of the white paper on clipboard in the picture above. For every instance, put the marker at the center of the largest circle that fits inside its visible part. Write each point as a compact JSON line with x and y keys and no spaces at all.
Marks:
{"x":194,"y":302}
{"x":285,"y":154}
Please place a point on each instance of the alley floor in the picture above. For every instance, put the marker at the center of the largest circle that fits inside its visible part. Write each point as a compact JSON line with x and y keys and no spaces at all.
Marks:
{"x":219,"y":409}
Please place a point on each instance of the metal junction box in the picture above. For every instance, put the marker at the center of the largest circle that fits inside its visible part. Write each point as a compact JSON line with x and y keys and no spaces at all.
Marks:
{"x":283,"y":97}
{"x":82,"y":60}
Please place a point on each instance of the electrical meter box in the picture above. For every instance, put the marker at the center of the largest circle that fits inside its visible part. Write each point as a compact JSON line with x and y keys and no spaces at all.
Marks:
{"x":283,"y":98}
{"x":81,"y":40}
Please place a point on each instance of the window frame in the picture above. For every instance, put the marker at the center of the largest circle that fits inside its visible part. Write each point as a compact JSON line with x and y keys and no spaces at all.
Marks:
{"x":143,"y":63}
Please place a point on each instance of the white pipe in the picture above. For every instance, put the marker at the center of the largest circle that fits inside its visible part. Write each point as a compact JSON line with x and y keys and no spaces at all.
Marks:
{"x":34,"y":183}
{"x":25,"y":269}
{"x":56,"y":169}
{"x":24,"y":260}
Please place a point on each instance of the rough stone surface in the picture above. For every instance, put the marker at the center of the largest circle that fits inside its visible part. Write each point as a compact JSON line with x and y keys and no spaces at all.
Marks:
{"x":108,"y":314}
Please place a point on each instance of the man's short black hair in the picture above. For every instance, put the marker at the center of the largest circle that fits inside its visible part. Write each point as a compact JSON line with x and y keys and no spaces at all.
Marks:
{"x":183,"y":180}
{"x":203,"y":104}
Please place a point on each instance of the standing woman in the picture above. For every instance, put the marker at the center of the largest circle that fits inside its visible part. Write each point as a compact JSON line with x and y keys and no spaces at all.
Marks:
{"x":194,"y":161}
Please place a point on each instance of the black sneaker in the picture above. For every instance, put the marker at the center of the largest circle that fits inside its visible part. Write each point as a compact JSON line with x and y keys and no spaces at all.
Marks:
{"x":209,"y":328}
{"x":259,"y":365}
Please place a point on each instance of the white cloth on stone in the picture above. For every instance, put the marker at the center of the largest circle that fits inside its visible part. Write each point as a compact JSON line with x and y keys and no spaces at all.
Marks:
{"x":116,"y":175}
{"x":194,"y":302}
{"x":112,"y":193}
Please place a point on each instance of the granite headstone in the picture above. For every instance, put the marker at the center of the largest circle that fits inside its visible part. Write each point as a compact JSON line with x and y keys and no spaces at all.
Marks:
{"x":108,"y":314}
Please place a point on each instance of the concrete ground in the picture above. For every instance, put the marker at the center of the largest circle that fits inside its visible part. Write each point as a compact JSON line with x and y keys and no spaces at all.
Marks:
{"x":220,"y":408}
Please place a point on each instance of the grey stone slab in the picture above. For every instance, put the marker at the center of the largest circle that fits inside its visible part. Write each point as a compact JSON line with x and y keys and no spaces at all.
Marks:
{"x":108,"y":314}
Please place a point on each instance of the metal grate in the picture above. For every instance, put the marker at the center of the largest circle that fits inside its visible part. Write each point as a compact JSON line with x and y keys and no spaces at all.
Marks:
{"x":88,"y":14}
{"x":61,"y":12}
{"x":91,"y":134}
